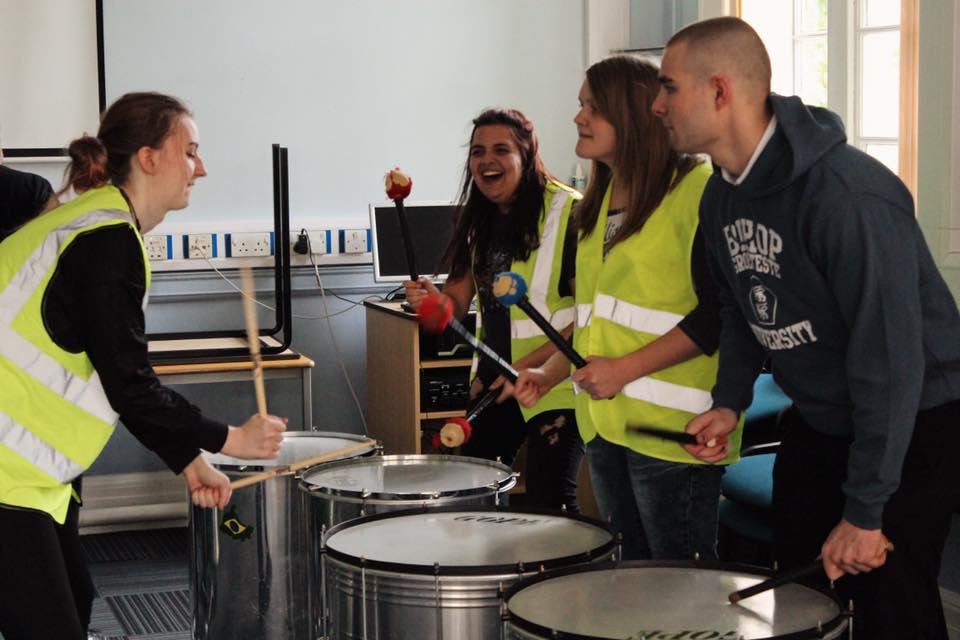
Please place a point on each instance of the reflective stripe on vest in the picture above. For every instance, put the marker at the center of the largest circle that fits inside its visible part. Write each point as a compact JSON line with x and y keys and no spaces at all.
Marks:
{"x":54,"y":417}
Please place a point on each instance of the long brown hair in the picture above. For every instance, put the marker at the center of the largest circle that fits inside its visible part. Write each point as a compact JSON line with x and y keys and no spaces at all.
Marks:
{"x":472,"y":231}
{"x":134,"y":121}
{"x":623,"y":89}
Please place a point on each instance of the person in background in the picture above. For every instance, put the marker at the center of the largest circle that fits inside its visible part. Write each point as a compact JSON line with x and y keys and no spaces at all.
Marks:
{"x":73,"y":359}
{"x":23,"y":196}
{"x":647,"y":315}
{"x":827,"y":274}
{"x":513,"y":216}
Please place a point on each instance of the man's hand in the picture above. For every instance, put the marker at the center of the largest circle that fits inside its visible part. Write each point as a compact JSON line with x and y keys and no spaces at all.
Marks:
{"x":601,"y":378}
{"x":258,"y":438}
{"x":531,"y":385}
{"x":208,"y":487}
{"x":850,"y":549}
{"x":417,"y":291}
{"x":716,"y":425}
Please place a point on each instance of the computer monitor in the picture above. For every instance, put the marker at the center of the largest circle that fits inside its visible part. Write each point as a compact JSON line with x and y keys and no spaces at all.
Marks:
{"x":431,"y":225}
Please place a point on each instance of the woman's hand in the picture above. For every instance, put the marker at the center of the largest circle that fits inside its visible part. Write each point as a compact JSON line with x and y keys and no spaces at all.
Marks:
{"x":531,"y":385}
{"x":208,"y":487}
{"x":601,"y":378}
{"x":258,"y":438}
{"x":417,"y":291}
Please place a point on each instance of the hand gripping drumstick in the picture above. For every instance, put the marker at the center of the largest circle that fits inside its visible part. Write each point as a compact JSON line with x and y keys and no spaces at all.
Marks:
{"x":436,"y":314}
{"x":457,"y":431}
{"x":511,"y":289}
{"x":398,"y":186}
{"x":253,"y":338}
{"x":287,"y":469}
{"x":783,"y":578}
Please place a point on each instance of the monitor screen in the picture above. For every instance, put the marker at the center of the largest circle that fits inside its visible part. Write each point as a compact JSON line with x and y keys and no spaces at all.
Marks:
{"x":431,"y":225}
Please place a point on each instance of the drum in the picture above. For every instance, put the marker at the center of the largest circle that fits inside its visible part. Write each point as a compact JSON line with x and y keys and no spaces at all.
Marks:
{"x":342,"y":491}
{"x":437,"y":573}
{"x":659,"y":600}
{"x":249,"y":565}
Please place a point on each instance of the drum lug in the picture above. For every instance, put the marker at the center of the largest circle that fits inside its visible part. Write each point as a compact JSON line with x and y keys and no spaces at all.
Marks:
{"x":696,"y":557}
{"x":436,"y":591}
{"x":363,"y":593}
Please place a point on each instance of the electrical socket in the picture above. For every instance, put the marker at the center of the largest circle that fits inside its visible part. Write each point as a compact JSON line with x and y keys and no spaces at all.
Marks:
{"x":319,"y":241}
{"x":158,"y":247}
{"x":242,"y":245}
{"x":199,"y":246}
{"x":355,"y":240}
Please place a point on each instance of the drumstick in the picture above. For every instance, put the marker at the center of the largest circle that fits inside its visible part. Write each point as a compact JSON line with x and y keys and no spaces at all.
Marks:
{"x":511,"y":289}
{"x":457,"y":431}
{"x":436,"y":314}
{"x":302,"y":464}
{"x":680,"y":437}
{"x":253,"y":338}
{"x":783,"y":578}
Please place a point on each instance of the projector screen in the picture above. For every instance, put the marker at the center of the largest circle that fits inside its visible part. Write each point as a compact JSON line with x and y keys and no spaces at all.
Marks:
{"x":351,"y":88}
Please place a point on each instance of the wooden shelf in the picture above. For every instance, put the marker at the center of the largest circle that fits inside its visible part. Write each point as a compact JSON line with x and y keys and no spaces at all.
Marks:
{"x":437,"y":415}
{"x":445,"y":364}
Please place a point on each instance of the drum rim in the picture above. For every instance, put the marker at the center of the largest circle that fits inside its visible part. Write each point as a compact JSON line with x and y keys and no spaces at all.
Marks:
{"x":709,"y":565}
{"x":397,"y":460}
{"x":469,"y":570}
{"x":257,"y":468}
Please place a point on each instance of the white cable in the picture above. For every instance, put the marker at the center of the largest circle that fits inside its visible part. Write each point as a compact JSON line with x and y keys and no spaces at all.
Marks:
{"x":336,"y":348}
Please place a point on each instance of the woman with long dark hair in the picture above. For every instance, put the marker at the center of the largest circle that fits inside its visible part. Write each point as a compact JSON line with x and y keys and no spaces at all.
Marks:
{"x":647,"y":314}
{"x":73,"y":360}
{"x":513,"y":216}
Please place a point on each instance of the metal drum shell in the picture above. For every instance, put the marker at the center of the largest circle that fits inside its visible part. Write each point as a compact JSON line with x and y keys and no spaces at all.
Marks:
{"x":516,"y":627}
{"x":258,"y":587}
{"x":334,"y":506}
{"x":328,"y":507}
{"x":412,"y":602}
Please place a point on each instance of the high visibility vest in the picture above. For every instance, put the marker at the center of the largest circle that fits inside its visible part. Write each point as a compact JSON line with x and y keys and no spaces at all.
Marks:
{"x":640,"y":292}
{"x":541,"y":272}
{"x":54,"y":415}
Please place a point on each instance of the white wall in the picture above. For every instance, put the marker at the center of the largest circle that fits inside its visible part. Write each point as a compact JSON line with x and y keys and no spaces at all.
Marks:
{"x":352,"y":88}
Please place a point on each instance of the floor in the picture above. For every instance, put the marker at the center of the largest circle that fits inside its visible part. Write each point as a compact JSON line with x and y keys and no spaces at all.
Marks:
{"x":143,"y":582}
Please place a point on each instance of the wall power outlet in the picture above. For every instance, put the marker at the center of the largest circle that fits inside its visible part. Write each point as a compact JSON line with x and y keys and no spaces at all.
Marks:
{"x":355,"y":240}
{"x":243,"y":245}
{"x":197,"y":246}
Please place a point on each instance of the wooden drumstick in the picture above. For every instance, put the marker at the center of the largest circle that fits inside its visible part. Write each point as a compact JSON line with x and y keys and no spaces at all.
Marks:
{"x":253,"y":337}
{"x":303,"y":464}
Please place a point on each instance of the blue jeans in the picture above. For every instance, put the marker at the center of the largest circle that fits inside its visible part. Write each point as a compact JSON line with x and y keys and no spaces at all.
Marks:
{"x":665,"y":510}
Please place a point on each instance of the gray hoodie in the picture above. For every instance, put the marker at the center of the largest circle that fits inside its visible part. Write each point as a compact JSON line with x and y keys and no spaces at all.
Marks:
{"x":826,"y":272}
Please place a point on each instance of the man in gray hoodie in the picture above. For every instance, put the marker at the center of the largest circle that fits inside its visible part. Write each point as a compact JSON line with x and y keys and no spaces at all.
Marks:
{"x":825,"y":273}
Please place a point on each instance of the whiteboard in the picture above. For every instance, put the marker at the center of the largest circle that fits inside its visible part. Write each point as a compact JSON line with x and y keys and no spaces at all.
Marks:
{"x":49,"y":88}
{"x":351,"y":88}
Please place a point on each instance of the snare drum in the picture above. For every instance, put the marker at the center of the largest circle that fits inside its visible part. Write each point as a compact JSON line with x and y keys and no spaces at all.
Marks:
{"x":342,"y":491}
{"x":249,"y":563}
{"x":437,"y":573}
{"x":659,"y":600}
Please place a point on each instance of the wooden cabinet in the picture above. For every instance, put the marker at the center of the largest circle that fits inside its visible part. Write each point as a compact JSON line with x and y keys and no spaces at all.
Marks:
{"x":395,"y":375}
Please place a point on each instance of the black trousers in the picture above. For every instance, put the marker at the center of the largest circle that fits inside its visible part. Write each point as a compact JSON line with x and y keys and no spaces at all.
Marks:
{"x":901,"y":599}
{"x":46,"y":592}
{"x":554,"y":450}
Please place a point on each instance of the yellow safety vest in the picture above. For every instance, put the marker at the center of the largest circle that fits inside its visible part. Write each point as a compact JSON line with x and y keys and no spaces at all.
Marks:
{"x":640,"y":292}
{"x":54,"y":415}
{"x":541,"y":272}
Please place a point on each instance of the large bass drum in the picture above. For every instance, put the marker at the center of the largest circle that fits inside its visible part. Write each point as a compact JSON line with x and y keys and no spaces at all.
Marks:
{"x":437,"y":573}
{"x":249,"y":563}
{"x":665,"y":600}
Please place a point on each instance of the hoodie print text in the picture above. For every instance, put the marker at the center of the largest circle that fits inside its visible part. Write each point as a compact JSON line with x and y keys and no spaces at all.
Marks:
{"x":754,"y":247}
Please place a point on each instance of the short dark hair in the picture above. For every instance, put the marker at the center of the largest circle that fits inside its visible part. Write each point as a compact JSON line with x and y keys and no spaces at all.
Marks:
{"x":730,"y":42}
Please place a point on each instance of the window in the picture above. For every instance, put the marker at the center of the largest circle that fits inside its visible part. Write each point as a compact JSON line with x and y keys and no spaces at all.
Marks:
{"x":861,"y":41}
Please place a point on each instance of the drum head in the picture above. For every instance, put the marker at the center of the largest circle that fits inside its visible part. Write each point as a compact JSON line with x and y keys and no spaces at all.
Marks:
{"x":297,"y":446}
{"x":458,"y":540}
{"x":409,"y":477}
{"x":640,"y":599}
